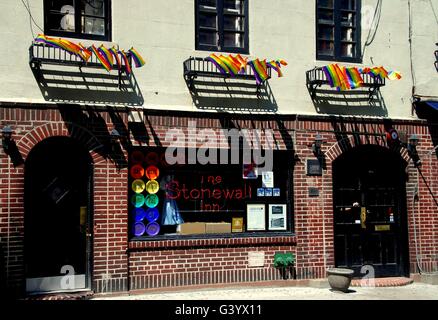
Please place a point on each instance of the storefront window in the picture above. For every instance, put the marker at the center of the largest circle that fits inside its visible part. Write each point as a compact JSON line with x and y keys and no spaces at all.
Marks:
{"x":194,"y":199}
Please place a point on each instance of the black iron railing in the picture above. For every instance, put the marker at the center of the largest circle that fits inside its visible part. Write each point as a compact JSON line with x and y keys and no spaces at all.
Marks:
{"x":316,"y":78}
{"x":40,"y":54}
{"x":195,"y":67}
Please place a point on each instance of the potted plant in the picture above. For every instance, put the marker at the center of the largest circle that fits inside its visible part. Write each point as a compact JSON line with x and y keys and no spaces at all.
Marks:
{"x":283,"y":262}
{"x":340,"y":278}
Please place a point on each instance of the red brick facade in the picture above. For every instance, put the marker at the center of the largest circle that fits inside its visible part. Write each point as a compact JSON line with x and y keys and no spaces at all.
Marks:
{"x":120,"y":264}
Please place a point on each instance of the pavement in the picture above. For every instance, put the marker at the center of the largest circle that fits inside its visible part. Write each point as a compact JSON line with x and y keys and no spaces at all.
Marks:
{"x":319,"y":291}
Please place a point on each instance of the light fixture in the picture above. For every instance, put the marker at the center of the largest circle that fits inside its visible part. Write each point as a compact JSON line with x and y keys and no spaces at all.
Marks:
{"x":114,"y":139}
{"x":316,"y":146}
{"x":412,"y":149}
{"x":414,"y":140}
{"x":436,"y":58}
{"x":115,"y":135}
{"x":6,"y":137}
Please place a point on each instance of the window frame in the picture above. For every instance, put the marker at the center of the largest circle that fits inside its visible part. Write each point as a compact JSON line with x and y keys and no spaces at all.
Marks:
{"x":77,"y":34}
{"x":220,"y":30}
{"x":337,"y":34}
{"x":288,"y":200}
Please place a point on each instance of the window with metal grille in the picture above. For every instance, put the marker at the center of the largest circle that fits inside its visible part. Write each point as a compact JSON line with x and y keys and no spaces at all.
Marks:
{"x":84,"y":19}
{"x":222,"y":25}
{"x":338,"y":30}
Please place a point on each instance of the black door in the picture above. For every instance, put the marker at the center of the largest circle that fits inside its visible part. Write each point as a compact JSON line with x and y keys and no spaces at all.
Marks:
{"x":57,"y":207}
{"x":370,"y":211}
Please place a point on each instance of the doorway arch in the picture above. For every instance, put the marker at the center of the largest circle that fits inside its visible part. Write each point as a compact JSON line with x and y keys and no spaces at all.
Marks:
{"x":57,"y":236}
{"x":370,"y":214}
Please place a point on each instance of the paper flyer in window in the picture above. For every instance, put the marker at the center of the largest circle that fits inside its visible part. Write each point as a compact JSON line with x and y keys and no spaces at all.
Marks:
{"x":255,"y":217}
{"x":260,"y":192}
{"x":249,"y":171}
{"x":277,"y":217}
{"x":268,"y":179}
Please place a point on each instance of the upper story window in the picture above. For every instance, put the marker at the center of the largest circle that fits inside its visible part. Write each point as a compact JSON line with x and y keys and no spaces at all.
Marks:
{"x":84,"y":19}
{"x":338,"y":30}
{"x":222,"y":25}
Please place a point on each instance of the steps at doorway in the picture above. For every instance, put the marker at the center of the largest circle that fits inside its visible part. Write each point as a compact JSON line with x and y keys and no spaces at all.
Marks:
{"x":382,"y":282}
{"x":84,"y":295}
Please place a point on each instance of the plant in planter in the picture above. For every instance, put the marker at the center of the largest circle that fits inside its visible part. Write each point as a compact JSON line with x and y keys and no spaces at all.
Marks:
{"x":340,"y":278}
{"x":284,"y":262}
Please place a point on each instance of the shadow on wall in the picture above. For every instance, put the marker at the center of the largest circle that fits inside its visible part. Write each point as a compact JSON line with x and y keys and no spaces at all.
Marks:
{"x":73,"y":85}
{"x":91,"y":118}
{"x":355,"y":126}
{"x":228,"y":95}
{"x":2,"y":269}
{"x":14,"y":154}
{"x":433,"y":129}
{"x":357,"y":102}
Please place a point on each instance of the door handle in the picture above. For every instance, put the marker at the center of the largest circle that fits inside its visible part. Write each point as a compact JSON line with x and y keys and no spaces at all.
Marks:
{"x":363,"y":217}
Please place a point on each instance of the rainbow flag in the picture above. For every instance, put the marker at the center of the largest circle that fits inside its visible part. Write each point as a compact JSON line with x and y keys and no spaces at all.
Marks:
{"x":394,"y":75}
{"x":276,"y":65}
{"x":259,"y":69}
{"x":125,"y":59}
{"x":138,"y":59}
{"x":116,"y":57}
{"x":103,"y":61}
{"x":346,"y":83}
{"x":382,"y":73}
{"x":222,"y":67}
{"x":85,"y":53}
{"x":333,"y":75}
{"x":239,"y":62}
{"x":66,"y":45}
{"x":354,"y":77}
{"x":107,"y":55}
{"x":232,"y":67}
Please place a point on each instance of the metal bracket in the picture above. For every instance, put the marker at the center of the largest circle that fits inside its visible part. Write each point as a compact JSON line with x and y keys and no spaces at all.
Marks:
{"x":436,"y":62}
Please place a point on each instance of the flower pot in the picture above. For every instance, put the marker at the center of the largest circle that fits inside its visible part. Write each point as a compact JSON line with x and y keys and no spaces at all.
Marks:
{"x":339,"y":278}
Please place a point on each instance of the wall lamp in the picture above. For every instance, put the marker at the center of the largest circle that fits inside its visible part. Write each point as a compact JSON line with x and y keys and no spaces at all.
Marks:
{"x":115,"y":137}
{"x":6,"y":137}
{"x":412,"y":149}
{"x":316,"y":146}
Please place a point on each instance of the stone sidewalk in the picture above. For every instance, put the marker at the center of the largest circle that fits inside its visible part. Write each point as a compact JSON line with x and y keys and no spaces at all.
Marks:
{"x":415,"y":291}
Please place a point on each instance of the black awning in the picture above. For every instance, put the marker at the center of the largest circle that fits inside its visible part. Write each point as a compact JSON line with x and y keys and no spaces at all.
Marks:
{"x":427,"y":109}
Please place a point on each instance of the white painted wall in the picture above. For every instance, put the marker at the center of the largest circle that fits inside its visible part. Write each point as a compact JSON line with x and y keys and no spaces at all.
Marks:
{"x":164,"y":33}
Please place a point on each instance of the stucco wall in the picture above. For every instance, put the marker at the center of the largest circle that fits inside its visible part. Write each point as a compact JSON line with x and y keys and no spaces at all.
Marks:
{"x":164,"y":33}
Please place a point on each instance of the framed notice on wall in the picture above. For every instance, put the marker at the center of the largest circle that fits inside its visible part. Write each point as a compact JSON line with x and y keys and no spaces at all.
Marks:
{"x":277,"y":217}
{"x":255,"y":217}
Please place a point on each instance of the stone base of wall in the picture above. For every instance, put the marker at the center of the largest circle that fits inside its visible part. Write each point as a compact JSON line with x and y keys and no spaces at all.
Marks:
{"x":110,"y":285}
{"x":223,"y":277}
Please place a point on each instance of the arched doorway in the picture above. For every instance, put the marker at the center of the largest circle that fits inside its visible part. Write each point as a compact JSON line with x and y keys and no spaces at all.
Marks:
{"x":58,"y":181}
{"x":370,"y":220}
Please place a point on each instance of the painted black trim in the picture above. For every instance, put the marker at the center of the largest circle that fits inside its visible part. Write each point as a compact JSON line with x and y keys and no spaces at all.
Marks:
{"x":90,"y":227}
{"x":337,"y":35}
{"x":78,"y":34}
{"x":220,"y":47}
{"x":204,"y":236}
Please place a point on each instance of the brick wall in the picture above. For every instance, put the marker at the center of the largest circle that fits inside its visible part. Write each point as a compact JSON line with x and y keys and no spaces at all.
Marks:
{"x":209,"y":261}
{"x":151,"y":264}
{"x":91,"y":128}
